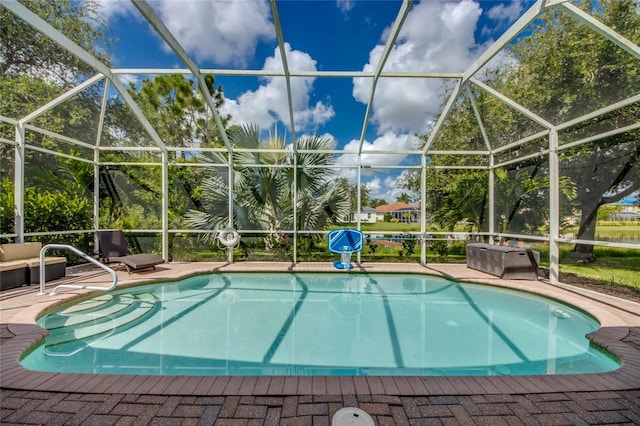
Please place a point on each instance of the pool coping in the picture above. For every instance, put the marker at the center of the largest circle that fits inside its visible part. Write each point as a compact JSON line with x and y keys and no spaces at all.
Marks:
{"x":619,"y":319}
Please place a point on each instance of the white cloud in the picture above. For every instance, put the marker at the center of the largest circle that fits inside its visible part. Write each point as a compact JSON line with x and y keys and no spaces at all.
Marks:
{"x":380,"y":185}
{"x":374,"y":186}
{"x":502,"y":16}
{"x":387,"y":142}
{"x":345,"y":5}
{"x":508,"y":13}
{"x":268,"y":104}
{"x":225,"y":32}
{"x":436,"y":37}
{"x":386,"y":188}
{"x":113,"y":8}
{"x":127,"y":79}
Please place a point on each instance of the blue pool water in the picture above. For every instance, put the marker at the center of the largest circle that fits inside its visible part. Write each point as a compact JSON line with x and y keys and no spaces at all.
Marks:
{"x":318,"y":324}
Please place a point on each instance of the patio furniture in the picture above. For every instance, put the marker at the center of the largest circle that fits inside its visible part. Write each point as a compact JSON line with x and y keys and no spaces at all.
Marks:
{"x":504,"y":262}
{"x":20,"y":264}
{"x":115,"y":249}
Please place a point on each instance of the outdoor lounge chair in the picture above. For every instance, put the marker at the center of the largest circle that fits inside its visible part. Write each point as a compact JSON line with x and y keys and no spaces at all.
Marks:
{"x":114,"y":248}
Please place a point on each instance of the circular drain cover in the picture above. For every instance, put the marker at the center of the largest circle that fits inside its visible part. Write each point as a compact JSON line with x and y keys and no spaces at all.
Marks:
{"x":351,"y":416}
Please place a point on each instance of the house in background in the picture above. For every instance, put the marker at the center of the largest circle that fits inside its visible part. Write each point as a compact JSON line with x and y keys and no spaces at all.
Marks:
{"x":630,"y":209}
{"x":367,"y":215}
{"x":403,"y":212}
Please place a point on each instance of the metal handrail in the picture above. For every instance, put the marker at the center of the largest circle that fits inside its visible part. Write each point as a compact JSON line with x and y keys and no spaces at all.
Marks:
{"x":82,"y":255}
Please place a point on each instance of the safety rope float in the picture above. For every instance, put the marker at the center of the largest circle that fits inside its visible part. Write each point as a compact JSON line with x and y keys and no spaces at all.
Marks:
{"x":229,"y":237}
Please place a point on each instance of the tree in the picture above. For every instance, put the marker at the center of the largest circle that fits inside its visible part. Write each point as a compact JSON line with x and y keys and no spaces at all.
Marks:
{"x":179,"y":111}
{"x":181,"y":118}
{"x":521,"y":199}
{"x":561,"y":70}
{"x":262,"y":187}
{"x":352,"y":191}
{"x":375,"y":202}
{"x":583,"y":72}
{"x":33,"y":71}
{"x":608,"y":212}
{"x":25,"y":51}
{"x":404,"y":198}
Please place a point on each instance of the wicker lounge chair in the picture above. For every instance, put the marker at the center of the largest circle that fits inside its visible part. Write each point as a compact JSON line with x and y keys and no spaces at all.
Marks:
{"x":114,"y":248}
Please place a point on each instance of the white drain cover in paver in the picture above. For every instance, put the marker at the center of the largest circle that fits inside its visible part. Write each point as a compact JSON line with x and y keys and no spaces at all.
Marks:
{"x":351,"y":416}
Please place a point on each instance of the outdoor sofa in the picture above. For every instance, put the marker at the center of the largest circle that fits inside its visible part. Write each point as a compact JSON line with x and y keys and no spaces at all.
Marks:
{"x":20,"y":265}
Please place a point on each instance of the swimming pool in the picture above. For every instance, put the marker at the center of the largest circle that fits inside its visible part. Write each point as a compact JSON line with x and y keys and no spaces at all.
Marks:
{"x":318,"y":324}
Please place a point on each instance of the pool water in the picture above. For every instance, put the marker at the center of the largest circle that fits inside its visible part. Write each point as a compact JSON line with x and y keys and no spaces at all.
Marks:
{"x":318,"y":324}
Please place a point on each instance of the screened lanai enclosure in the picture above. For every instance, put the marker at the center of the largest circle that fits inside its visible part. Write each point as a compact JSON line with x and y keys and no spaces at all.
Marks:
{"x":427,"y":125}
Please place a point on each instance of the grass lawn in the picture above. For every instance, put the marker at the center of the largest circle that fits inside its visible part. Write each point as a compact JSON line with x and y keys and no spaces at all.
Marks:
{"x":615,"y":267}
{"x":612,"y":231}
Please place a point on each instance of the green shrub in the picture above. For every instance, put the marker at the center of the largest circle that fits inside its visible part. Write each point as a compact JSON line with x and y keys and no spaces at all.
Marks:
{"x":439,"y":248}
{"x":408,"y":244}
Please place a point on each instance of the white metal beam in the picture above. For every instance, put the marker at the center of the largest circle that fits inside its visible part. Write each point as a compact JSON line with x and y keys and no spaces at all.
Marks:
{"x":166,"y":35}
{"x":58,"y":136}
{"x":458,"y":152}
{"x":43,"y":26}
{"x":522,"y":141}
{"x":59,"y":154}
{"x":423,"y":209}
{"x":287,"y":79}
{"x":292,"y":73}
{"x":79,"y":88}
{"x":554,"y":208}
{"x":153,"y":19}
{"x":476,"y":112}
{"x":285,"y":64}
{"x":443,"y":115}
{"x":522,"y":158}
{"x":603,"y":30}
{"x":513,"y":31}
{"x":103,"y":110}
{"x":96,"y":168}
{"x":393,"y":36}
{"x":516,"y":106}
{"x":18,"y":183}
{"x":599,"y":136}
{"x":492,"y":197}
{"x":599,"y":112}
{"x":8,"y":120}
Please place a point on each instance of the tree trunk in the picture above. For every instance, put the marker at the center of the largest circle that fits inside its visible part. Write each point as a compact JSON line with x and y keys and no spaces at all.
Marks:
{"x":586,"y":231}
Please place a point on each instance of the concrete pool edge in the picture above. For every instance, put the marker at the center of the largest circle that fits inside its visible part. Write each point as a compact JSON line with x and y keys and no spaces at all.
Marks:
{"x":617,"y":324}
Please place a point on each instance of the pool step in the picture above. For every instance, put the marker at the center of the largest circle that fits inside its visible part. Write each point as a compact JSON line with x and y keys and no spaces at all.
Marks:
{"x":89,"y":311}
{"x":97,"y":324}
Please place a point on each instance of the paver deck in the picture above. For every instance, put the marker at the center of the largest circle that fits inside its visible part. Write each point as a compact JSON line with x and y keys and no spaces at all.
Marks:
{"x":28,"y":397}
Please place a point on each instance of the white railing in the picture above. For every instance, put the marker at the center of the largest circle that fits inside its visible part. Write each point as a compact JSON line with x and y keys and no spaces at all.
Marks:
{"x":74,"y":286}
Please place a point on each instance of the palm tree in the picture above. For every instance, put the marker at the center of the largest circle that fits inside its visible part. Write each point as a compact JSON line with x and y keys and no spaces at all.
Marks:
{"x":404,"y":198}
{"x":263,"y":183}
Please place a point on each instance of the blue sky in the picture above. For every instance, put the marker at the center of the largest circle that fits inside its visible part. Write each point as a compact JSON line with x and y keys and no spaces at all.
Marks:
{"x":343,"y":35}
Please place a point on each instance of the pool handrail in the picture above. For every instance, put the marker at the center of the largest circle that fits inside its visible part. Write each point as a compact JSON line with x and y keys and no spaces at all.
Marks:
{"x":73,"y":286}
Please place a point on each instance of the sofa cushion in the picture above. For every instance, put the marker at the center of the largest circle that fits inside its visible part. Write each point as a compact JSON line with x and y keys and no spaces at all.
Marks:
{"x":33,"y":262}
{"x":13,"y":264}
{"x":19,"y":251}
